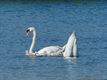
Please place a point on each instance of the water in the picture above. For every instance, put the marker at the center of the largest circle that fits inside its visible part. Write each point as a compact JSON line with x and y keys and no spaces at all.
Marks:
{"x":54,"y":23}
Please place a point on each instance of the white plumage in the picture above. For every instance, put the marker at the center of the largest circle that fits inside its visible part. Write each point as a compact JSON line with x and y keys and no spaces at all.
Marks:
{"x":69,"y":50}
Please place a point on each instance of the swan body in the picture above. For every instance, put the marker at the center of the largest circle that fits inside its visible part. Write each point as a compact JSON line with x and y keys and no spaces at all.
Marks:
{"x":51,"y":51}
{"x":66,"y":51}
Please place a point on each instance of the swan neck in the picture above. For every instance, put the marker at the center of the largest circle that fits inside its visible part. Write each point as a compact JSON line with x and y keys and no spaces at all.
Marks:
{"x":33,"y":41}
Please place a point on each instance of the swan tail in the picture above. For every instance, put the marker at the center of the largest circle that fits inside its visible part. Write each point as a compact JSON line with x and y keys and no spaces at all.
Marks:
{"x":70,"y":49}
{"x":74,"y":54}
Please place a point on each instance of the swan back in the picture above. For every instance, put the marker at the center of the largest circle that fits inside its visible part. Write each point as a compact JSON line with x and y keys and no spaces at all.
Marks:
{"x":51,"y":51}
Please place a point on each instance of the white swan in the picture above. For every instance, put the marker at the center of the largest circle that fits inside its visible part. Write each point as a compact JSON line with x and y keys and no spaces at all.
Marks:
{"x":68,"y":50}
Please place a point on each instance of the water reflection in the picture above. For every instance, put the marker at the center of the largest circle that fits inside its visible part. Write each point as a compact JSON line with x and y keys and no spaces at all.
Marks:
{"x":71,"y":59}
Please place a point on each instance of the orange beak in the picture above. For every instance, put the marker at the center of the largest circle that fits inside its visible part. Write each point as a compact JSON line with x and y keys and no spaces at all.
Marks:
{"x":27,"y":34}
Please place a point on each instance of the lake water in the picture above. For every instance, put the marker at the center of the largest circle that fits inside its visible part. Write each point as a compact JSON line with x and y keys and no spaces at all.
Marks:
{"x":54,"y":23}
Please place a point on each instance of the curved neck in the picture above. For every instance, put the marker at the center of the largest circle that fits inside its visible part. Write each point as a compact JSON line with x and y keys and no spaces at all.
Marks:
{"x":33,"y":41}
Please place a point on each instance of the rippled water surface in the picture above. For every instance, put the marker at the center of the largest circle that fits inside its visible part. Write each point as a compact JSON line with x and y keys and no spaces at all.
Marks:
{"x":54,"y":23}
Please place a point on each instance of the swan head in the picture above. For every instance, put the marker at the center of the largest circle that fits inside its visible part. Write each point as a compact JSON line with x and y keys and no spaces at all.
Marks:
{"x":29,"y":30}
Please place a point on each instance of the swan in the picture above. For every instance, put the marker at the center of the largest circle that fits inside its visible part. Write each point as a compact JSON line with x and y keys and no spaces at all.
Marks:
{"x":67,"y":50}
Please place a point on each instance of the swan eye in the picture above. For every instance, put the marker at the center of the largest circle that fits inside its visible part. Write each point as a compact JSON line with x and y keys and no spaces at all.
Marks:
{"x":27,"y":30}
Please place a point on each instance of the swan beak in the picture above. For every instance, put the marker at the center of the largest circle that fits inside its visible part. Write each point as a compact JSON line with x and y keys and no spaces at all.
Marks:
{"x":27,"y":32}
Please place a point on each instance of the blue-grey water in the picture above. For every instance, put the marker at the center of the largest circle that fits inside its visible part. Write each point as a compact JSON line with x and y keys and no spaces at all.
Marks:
{"x":54,"y":23}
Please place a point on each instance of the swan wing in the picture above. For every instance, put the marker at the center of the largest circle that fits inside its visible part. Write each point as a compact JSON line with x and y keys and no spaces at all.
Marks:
{"x":51,"y":51}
